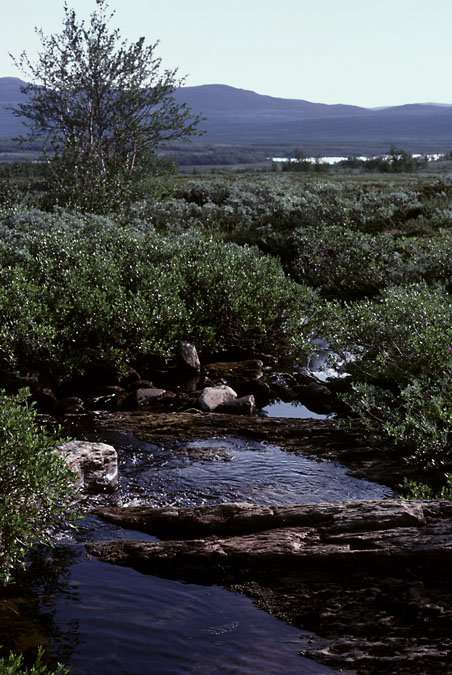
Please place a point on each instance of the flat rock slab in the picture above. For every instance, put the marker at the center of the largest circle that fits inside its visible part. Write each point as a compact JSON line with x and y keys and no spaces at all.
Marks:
{"x":371,"y":577}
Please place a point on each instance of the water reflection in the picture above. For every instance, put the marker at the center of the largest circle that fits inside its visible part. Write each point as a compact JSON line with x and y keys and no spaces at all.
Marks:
{"x":140,"y":625}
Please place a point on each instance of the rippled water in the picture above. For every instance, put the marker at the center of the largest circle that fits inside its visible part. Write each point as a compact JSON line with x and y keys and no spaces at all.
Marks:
{"x":230,"y":469}
{"x":112,"y":620}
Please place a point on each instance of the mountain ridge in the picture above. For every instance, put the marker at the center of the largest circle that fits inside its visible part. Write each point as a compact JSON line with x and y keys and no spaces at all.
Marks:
{"x":238,"y":116}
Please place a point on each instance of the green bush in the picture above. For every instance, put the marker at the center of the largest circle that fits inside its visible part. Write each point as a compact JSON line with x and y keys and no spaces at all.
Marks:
{"x":71,"y":284}
{"x":36,"y":486}
{"x":402,"y":391}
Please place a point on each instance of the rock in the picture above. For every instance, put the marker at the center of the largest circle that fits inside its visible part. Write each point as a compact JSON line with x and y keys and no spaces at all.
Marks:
{"x":245,"y":405}
{"x":187,"y":358}
{"x":258,"y":388}
{"x":96,"y":465}
{"x":140,"y":384}
{"x":281,"y":385}
{"x":45,"y":399}
{"x":240,"y":518}
{"x":371,"y":578}
{"x":107,"y":402}
{"x":212,"y":397}
{"x":316,"y":397}
{"x":71,"y":405}
{"x":147,"y":397}
{"x":224,"y":372}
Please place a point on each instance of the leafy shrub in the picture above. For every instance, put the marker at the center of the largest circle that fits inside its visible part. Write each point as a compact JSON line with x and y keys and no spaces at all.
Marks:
{"x":402,"y":392}
{"x":71,"y":284}
{"x":36,"y":486}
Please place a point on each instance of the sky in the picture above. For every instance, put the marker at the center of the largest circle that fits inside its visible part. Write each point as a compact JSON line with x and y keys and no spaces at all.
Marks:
{"x":362,"y":52}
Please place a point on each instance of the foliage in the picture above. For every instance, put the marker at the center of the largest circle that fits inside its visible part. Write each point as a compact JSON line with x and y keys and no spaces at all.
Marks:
{"x":14,"y":664}
{"x":36,"y":486}
{"x":71,"y":284}
{"x":412,"y":489}
{"x":102,"y":107}
{"x":402,"y":345}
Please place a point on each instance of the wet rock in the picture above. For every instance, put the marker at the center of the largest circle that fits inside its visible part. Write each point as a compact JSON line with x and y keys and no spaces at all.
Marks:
{"x":108,"y":402}
{"x":316,"y":397}
{"x":238,"y":518}
{"x":245,"y":405}
{"x":257,"y":388}
{"x":281,"y":384}
{"x":96,"y":465}
{"x":187,"y":358}
{"x":140,"y":384}
{"x":372,"y":578}
{"x":224,"y":372}
{"x":212,"y":397}
{"x":71,"y":405}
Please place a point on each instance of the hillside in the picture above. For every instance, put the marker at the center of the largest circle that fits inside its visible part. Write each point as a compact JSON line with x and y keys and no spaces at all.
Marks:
{"x":240,"y":117}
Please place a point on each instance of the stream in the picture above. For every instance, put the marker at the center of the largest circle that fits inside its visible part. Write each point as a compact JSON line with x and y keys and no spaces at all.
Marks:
{"x":103,"y":619}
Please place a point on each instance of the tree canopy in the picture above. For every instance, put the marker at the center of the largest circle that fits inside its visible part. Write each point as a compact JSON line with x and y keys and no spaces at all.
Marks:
{"x":100,"y":106}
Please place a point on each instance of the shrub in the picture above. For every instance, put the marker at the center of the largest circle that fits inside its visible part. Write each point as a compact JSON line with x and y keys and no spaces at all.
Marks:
{"x":402,"y":392}
{"x":36,"y":486}
{"x":72,"y":284}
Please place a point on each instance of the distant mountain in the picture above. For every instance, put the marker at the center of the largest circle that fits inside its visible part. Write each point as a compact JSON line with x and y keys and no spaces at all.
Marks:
{"x":10,"y":94}
{"x":237,"y":116}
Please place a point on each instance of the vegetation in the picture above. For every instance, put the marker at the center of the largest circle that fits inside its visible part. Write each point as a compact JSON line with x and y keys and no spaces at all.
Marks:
{"x":36,"y":486}
{"x":265,"y":264}
{"x":102,"y":107}
{"x":14,"y":664}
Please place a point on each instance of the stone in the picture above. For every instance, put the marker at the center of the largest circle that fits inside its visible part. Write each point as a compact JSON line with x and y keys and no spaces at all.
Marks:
{"x":96,"y":465}
{"x":187,"y":358}
{"x":258,"y":388}
{"x":316,"y":397}
{"x":245,"y":405}
{"x":370,"y":579}
{"x":212,"y":397}
{"x":281,"y":385}
{"x":145,"y":397}
{"x":224,"y":372}
{"x":70,"y":405}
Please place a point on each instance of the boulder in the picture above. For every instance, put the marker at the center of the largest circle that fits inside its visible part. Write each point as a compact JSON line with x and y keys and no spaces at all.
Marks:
{"x":187,"y":358}
{"x":96,"y":465}
{"x":212,"y":397}
{"x":71,"y":405}
{"x":257,"y":388}
{"x":281,"y":384}
{"x":317,"y":397}
{"x":245,"y":405}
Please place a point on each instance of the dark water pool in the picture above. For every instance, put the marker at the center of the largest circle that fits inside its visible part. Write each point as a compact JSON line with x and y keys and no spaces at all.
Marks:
{"x":112,"y":620}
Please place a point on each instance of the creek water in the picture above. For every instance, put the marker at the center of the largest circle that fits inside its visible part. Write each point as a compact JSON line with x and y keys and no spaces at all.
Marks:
{"x":110,"y":620}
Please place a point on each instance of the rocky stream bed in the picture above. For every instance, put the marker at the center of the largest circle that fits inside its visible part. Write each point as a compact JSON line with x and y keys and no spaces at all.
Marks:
{"x":216,"y":508}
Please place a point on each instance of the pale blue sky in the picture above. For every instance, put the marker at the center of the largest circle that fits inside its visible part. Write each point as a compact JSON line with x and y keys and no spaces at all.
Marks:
{"x":362,"y":52}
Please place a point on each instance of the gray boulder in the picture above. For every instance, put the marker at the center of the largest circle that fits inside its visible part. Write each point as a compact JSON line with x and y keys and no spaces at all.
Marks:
{"x":212,"y":397}
{"x":96,"y":465}
{"x":187,"y":357}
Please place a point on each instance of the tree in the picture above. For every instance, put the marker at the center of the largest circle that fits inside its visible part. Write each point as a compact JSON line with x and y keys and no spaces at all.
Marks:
{"x":101,"y":107}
